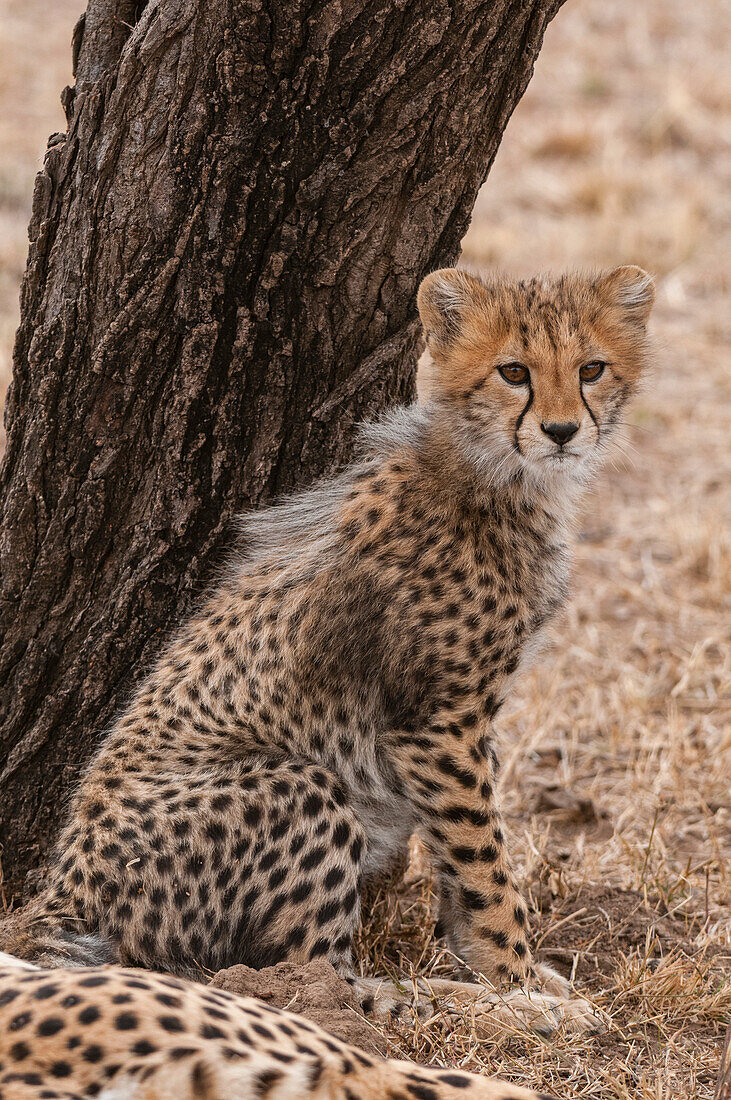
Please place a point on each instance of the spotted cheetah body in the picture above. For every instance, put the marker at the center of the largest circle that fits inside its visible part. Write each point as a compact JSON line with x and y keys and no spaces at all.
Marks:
{"x":338,"y":689}
{"x":133,"y":1035}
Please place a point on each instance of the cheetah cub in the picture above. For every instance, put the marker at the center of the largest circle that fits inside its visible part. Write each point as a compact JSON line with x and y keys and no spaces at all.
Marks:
{"x":337,"y":692}
{"x":132,"y":1035}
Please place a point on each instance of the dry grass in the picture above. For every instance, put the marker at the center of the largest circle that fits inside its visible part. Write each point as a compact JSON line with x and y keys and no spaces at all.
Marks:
{"x":617,"y":748}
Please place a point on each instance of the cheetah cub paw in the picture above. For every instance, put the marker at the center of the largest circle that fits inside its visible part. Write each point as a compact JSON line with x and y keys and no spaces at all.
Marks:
{"x":532,"y":1010}
{"x":575,"y":1013}
{"x":545,"y":1010}
{"x":388,"y":1001}
{"x":551,"y":1007}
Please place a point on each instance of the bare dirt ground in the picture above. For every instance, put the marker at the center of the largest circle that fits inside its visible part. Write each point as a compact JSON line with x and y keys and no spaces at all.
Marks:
{"x":617,"y":748}
{"x":315,"y":990}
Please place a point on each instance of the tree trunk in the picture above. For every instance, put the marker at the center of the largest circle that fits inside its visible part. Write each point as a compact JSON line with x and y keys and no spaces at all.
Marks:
{"x":225,"y":251}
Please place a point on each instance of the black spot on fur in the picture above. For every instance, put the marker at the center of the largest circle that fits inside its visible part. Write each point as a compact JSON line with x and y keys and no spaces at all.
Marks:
{"x":143,"y":1047}
{"x":171,"y":1023}
{"x":472,"y":899}
{"x":50,"y":1026}
{"x":126,"y":1021}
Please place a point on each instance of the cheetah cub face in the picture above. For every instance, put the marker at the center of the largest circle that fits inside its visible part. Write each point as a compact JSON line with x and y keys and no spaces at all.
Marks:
{"x":535,"y":374}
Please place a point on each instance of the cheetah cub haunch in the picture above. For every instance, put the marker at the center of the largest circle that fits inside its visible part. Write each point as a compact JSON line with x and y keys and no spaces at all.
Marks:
{"x":338,"y":690}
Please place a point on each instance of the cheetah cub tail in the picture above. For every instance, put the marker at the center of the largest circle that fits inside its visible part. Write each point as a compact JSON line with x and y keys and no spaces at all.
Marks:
{"x":36,"y":935}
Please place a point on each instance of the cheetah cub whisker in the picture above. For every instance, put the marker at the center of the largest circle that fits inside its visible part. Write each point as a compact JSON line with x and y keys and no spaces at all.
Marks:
{"x":337,"y":692}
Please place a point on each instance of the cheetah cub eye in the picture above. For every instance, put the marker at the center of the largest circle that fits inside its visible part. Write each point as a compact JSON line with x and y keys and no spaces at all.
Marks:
{"x":535,"y":375}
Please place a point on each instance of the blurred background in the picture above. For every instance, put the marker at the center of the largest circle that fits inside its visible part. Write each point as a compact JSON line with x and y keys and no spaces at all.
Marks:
{"x":618,"y":745}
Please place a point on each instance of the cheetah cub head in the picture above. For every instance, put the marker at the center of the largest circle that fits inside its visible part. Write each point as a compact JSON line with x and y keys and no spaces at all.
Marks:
{"x":533,"y":376}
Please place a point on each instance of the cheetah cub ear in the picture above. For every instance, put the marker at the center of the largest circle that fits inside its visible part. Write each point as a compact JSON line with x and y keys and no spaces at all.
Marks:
{"x":629,"y":289}
{"x":447,"y":298}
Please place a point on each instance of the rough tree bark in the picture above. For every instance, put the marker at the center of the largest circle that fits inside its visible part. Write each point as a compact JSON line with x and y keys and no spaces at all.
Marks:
{"x":225,"y":251}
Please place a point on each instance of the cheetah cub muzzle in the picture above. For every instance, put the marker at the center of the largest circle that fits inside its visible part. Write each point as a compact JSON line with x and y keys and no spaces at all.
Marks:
{"x":338,"y":690}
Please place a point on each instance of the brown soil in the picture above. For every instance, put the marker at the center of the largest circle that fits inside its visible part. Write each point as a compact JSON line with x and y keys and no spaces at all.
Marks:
{"x":600,"y":922}
{"x":315,"y":990}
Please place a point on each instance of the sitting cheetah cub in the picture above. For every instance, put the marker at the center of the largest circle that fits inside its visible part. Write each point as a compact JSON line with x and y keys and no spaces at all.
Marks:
{"x":337,"y":691}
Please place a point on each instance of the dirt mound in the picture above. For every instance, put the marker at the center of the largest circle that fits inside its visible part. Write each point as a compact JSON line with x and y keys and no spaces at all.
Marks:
{"x":315,"y":990}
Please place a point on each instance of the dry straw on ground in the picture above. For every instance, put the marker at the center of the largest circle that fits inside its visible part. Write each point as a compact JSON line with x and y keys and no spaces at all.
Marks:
{"x":617,"y":748}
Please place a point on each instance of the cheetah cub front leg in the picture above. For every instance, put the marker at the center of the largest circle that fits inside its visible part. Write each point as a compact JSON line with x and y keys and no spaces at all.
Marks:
{"x":481,"y":911}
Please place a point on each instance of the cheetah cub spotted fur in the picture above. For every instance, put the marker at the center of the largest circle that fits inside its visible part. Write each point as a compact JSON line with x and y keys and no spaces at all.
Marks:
{"x":132,"y":1035}
{"x":337,"y":691}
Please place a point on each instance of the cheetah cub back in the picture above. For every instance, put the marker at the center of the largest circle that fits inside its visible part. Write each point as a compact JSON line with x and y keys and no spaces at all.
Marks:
{"x":338,"y":690}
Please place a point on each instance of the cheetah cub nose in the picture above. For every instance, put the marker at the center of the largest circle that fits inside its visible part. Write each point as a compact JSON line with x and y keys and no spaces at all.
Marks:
{"x":561,"y":433}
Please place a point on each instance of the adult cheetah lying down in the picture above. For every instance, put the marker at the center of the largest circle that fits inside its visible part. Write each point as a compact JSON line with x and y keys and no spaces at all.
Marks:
{"x":337,"y":691}
{"x":133,"y":1035}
